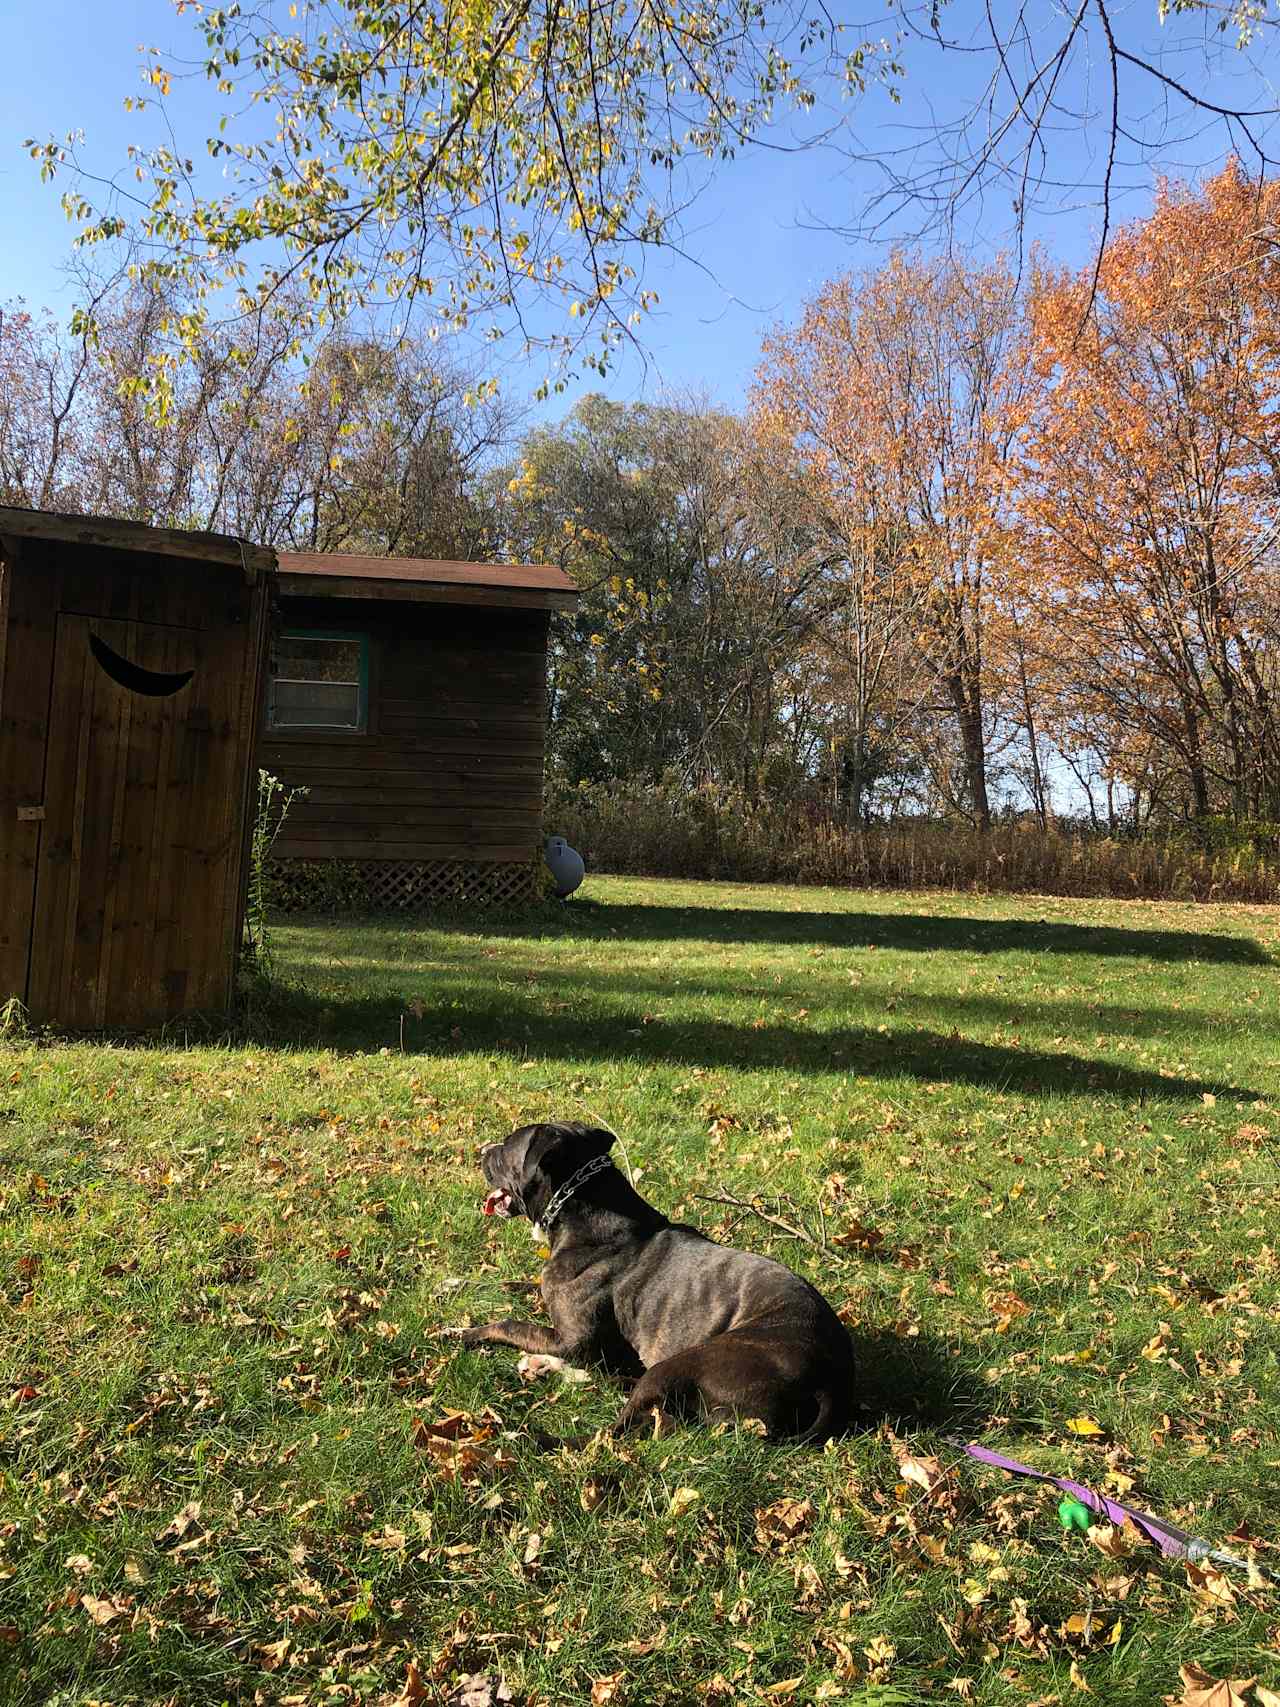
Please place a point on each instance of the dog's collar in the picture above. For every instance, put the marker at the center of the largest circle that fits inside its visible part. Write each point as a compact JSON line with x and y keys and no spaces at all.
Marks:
{"x":588,"y":1170}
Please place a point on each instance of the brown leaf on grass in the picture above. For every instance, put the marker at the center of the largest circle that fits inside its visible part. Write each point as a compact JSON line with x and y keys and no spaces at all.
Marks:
{"x":1024,"y":1630}
{"x":1117,"y":1543}
{"x":777,"y":1691}
{"x":457,"y":1445}
{"x":963,"y":1687}
{"x":80,"y":1563}
{"x":596,"y":1489}
{"x":1265,"y":1697}
{"x":1077,"y":1679}
{"x":1211,"y":1589}
{"x":781,"y":1523}
{"x":1201,"y":1690}
{"x":684,"y":1499}
{"x":414,"y":1691}
{"x":107,"y":1609}
{"x":605,"y":1690}
{"x":648,"y":1645}
{"x":479,"y":1689}
{"x":184,"y":1529}
{"x":926,"y":1473}
{"x":881,"y":1653}
{"x":859,"y":1238}
{"x":1007,"y":1308}
{"x":272,"y":1655}
{"x":966,"y":1631}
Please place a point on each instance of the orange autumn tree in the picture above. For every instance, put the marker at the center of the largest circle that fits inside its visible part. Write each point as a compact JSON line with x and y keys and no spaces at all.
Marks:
{"x":1149,"y":494}
{"x":902,"y":389}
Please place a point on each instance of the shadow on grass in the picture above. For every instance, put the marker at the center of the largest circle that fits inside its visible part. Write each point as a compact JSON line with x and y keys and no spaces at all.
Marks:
{"x":916,"y":1383}
{"x":358,"y":1023}
{"x":916,"y":932}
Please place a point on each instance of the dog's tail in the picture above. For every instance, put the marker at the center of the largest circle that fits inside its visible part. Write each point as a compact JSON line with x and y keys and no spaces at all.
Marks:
{"x":832,"y":1417}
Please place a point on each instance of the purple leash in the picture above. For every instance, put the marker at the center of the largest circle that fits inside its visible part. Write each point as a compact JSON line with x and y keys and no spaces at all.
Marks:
{"x":1173,"y":1542}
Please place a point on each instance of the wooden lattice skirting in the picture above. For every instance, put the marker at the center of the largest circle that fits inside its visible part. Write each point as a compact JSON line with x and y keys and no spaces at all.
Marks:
{"x":402,"y":885}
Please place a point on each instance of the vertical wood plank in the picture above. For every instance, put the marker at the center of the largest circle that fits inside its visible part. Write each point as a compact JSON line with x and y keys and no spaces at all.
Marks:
{"x":30,"y":594}
{"x":253,"y":664}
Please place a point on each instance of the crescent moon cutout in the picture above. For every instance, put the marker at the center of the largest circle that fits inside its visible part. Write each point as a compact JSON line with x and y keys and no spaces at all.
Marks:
{"x":132,"y":676}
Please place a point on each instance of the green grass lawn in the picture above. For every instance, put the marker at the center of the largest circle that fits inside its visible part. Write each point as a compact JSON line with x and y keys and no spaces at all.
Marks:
{"x":238,"y":1464}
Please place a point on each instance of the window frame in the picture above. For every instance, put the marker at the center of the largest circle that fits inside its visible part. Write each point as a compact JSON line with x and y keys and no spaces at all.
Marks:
{"x":344,"y":731}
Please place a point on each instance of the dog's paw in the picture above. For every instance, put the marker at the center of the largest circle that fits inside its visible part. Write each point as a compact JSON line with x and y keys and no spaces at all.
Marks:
{"x":464,"y":1336}
{"x":535,"y":1364}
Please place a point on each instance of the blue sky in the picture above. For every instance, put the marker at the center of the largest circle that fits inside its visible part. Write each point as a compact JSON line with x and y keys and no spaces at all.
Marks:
{"x":765,"y":232}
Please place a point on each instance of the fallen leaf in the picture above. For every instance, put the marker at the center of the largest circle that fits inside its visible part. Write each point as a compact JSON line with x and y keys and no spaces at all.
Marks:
{"x":1077,"y":1679}
{"x":1201,"y":1690}
{"x":596,"y":1489}
{"x":1024,"y":1631}
{"x":857,"y":1237}
{"x":963,"y":1687}
{"x":779,"y":1524}
{"x":105,"y":1610}
{"x":649,"y":1645}
{"x":181,"y":1527}
{"x":80,"y":1563}
{"x":607,"y":1689}
{"x":788,"y":1686}
{"x":684,"y":1499}
{"x":414,"y":1691}
{"x":1007,"y":1308}
{"x":1211,"y":1588}
{"x":478,"y":1689}
{"x":273,"y":1654}
{"x":1117,"y":1543}
{"x":881,"y":1652}
{"x":1088,"y":1428}
{"x":926,"y":1473}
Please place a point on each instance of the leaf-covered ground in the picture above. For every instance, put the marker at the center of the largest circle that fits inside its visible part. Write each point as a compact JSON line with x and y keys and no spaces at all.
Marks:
{"x":238,"y":1464}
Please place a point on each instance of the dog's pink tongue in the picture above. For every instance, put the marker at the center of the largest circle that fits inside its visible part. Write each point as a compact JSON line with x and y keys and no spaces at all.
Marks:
{"x":498,"y":1202}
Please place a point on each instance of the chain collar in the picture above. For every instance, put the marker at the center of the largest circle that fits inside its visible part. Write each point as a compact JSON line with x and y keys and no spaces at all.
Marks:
{"x":551,"y":1214}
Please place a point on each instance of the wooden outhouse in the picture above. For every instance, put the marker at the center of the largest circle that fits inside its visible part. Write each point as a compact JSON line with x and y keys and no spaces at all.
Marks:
{"x":131,"y":671}
{"x":409,"y":697}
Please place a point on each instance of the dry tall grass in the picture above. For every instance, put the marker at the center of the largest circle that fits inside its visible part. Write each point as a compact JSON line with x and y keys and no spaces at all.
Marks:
{"x":653,"y":832}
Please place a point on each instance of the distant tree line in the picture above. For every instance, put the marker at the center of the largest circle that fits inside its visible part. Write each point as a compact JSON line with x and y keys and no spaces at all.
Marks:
{"x":979,"y":545}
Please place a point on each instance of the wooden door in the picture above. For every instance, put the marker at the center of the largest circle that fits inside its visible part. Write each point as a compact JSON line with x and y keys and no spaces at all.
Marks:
{"x":140,"y":835}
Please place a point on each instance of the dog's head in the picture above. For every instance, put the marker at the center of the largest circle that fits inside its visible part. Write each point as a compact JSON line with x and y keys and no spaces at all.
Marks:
{"x":526,"y":1170}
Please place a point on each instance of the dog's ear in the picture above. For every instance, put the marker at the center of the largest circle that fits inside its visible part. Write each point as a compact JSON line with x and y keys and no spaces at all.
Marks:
{"x":566,"y":1145}
{"x":557,"y":1149}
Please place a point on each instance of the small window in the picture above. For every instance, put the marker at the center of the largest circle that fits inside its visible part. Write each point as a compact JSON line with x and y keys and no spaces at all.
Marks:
{"x":320,"y":681}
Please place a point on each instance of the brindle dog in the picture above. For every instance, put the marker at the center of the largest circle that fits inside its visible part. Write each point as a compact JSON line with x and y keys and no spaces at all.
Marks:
{"x":702,"y":1326}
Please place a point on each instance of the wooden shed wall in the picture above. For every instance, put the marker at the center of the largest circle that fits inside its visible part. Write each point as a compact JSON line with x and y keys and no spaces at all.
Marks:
{"x":450,"y":766}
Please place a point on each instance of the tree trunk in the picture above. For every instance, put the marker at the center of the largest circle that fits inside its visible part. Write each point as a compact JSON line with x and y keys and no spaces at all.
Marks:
{"x":966,"y":699}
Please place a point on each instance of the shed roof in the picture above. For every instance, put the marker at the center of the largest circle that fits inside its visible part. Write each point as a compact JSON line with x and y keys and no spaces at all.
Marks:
{"x":253,"y":560}
{"x":338,"y":575}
